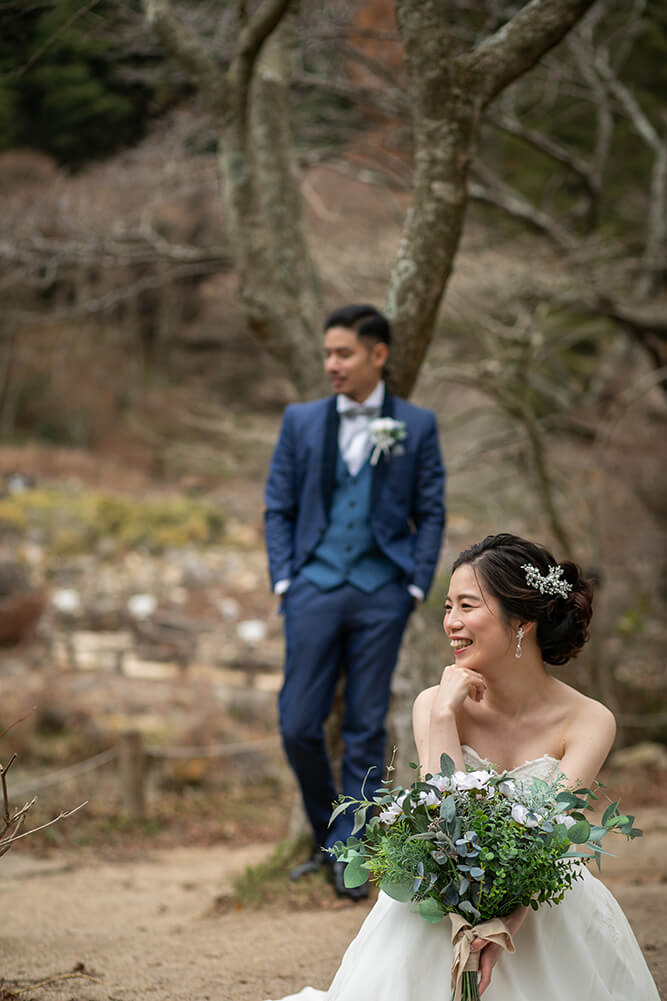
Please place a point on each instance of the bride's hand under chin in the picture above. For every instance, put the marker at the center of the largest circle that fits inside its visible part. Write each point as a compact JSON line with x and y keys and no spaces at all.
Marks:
{"x":456,"y":685}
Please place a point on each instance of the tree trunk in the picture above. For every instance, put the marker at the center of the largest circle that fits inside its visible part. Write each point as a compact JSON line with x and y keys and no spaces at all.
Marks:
{"x":449,"y":88}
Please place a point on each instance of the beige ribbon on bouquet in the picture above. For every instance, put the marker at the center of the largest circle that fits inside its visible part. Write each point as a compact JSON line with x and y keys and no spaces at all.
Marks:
{"x":463,"y":936}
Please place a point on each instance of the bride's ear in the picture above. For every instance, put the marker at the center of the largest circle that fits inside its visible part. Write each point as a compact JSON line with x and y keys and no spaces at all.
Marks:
{"x":527,"y":627}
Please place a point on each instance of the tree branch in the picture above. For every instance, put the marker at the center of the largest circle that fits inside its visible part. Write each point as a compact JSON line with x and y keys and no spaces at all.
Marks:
{"x":254,"y":33}
{"x":496,"y":192}
{"x":188,"y":50}
{"x":545,"y":144}
{"x":266,"y":18}
{"x":521,"y":42}
{"x":653,"y":265}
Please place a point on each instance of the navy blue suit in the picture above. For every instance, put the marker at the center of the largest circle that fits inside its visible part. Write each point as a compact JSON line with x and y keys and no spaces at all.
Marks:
{"x":345,"y":628}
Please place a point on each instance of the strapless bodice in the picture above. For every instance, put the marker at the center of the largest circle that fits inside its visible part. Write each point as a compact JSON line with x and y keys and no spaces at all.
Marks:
{"x":541,"y":768}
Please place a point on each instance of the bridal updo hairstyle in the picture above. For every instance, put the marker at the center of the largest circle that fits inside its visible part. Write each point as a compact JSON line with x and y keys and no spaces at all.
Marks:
{"x":562,"y":622}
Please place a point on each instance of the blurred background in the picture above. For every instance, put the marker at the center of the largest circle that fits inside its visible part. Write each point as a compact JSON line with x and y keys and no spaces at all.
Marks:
{"x":140,"y":395}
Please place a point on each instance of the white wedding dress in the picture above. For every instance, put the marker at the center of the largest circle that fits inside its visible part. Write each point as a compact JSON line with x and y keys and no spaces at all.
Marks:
{"x":582,"y":949}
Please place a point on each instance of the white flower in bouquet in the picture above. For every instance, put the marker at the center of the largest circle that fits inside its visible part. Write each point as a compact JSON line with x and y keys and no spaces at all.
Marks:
{"x":393,"y":811}
{"x":565,"y":819}
{"x":441,"y":782}
{"x":465,"y":781}
{"x":525,"y":816}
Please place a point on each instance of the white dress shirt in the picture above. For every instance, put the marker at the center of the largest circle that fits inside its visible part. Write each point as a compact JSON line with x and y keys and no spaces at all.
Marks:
{"x":354,"y":440}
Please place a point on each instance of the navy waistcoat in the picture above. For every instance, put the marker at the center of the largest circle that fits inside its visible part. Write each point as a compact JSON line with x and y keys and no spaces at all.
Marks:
{"x":348,"y":552}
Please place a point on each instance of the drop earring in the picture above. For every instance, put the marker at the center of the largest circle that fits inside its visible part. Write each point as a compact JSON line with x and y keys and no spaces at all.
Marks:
{"x":519,"y":637}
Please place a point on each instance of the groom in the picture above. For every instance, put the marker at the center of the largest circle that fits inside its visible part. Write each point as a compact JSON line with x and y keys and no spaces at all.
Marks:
{"x":354,"y":525}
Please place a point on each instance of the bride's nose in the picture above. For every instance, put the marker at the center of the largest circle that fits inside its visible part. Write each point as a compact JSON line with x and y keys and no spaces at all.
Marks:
{"x":450,"y":621}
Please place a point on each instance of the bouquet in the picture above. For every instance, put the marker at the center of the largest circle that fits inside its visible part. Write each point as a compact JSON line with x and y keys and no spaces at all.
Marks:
{"x":475,"y":846}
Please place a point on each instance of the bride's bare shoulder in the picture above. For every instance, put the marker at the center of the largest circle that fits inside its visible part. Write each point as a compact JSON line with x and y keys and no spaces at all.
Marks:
{"x":583,"y":711}
{"x":421,"y":707}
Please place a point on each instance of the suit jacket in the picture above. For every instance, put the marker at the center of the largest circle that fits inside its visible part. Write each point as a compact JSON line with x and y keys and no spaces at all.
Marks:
{"x":407,"y":492}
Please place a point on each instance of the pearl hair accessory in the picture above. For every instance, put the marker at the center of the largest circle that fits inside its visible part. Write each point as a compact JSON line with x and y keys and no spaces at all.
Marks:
{"x":549,"y":584}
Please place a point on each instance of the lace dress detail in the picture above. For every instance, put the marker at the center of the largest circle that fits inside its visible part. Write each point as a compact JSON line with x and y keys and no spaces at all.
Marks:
{"x":582,"y":948}
{"x":540,"y":768}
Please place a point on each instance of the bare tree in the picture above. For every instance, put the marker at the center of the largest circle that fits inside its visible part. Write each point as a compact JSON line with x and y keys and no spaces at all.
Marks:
{"x":450,"y":83}
{"x":12,"y":820}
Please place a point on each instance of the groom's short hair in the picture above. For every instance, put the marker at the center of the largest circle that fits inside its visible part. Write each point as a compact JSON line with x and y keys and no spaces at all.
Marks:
{"x":366,"y":321}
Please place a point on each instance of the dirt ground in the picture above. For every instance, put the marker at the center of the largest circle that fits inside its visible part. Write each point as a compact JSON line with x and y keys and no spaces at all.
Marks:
{"x":75,"y":928}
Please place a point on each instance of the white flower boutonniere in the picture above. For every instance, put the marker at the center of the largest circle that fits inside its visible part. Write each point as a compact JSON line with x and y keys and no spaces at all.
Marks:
{"x":386,"y":435}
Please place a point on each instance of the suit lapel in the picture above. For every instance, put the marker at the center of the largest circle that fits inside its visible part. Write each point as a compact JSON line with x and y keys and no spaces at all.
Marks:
{"x":380,"y":469}
{"x":329,"y":454}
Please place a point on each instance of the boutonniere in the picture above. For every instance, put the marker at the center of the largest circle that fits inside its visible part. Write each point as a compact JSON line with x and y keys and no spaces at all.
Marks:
{"x":386,"y":435}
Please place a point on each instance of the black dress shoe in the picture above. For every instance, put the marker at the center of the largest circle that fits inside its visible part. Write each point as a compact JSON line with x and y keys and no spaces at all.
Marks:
{"x":314,"y":864}
{"x":351,"y":892}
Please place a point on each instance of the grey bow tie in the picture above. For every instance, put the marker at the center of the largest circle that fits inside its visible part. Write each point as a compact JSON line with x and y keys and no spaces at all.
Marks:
{"x":360,"y":412}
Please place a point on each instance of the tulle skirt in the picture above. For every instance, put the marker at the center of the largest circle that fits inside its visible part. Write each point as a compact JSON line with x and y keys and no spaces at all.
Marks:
{"x":582,"y":949}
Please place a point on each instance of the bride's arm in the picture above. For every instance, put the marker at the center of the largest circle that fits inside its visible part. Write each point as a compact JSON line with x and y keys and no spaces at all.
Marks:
{"x":588,"y":740}
{"x":434,"y":717}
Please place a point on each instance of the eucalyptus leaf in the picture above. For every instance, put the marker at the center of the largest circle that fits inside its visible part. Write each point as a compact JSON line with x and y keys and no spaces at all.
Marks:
{"x":595,"y":846}
{"x":566,"y":799}
{"x":585,"y":792}
{"x":611,"y":810}
{"x":579,"y":832}
{"x":431,"y":910}
{"x":341,"y":808}
{"x":447,"y":766}
{"x":448,"y":809}
{"x":355,"y":874}
{"x":466,"y":906}
{"x":617,"y":822}
{"x":359,"y":818}
{"x":450,"y":895}
{"x":398,"y":891}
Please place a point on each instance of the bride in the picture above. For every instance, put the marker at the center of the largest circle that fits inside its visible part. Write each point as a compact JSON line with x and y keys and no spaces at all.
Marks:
{"x":509,"y":610}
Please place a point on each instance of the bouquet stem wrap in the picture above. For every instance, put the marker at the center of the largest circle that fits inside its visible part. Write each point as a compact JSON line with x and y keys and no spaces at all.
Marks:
{"x":463,"y":935}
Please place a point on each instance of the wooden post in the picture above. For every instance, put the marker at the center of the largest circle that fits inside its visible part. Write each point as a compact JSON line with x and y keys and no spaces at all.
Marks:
{"x":132,"y":768}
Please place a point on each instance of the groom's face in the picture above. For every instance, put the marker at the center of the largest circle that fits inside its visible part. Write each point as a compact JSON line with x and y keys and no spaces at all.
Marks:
{"x":354,"y":365}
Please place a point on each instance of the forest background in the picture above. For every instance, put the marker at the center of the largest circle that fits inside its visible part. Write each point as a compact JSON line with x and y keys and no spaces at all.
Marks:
{"x":160,"y":309}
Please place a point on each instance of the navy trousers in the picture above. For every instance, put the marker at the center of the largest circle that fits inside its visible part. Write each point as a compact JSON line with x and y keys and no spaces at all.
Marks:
{"x":326,"y":632}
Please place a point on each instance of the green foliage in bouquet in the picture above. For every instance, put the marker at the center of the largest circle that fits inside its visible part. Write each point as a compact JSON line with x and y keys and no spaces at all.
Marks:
{"x":478,"y":843}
